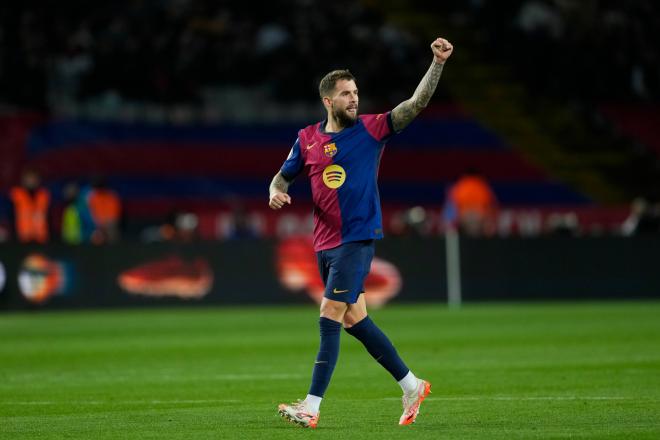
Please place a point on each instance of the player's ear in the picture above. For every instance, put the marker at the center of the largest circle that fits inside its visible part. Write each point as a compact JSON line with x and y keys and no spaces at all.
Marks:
{"x":327,"y":101}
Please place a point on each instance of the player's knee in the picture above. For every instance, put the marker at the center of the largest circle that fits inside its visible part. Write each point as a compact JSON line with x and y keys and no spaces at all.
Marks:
{"x":333,"y":310}
{"x":348,"y":321}
{"x":353,"y":317}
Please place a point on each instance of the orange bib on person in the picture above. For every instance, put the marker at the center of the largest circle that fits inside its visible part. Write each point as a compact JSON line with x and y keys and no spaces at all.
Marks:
{"x":31,"y":214}
{"x":472,"y":194}
{"x":104,"y":206}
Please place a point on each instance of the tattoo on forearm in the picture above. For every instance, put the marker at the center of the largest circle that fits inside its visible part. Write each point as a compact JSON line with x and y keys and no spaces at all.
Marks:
{"x":279,"y":184}
{"x":404,"y":113}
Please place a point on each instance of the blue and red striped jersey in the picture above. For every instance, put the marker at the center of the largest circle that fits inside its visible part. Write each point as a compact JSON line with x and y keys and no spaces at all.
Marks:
{"x":343,"y":170}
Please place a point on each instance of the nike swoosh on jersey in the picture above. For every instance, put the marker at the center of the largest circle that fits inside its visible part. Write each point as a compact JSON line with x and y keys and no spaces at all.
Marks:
{"x":310,"y":146}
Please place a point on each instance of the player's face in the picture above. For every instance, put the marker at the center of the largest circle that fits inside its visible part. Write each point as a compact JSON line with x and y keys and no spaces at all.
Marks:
{"x":345,"y":102}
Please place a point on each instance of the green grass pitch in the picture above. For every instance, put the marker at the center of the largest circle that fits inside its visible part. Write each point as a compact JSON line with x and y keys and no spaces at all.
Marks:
{"x":583,"y":370}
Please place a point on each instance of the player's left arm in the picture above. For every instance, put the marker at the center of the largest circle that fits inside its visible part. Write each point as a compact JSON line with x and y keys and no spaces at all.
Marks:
{"x":404,"y":113}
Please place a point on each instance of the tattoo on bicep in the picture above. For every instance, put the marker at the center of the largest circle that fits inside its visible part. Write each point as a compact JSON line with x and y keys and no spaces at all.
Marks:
{"x":404,"y":113}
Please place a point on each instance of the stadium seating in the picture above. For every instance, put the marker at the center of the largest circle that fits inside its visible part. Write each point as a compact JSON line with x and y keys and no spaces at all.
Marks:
{"x":208,"y":164}
{"x":637,"y":121}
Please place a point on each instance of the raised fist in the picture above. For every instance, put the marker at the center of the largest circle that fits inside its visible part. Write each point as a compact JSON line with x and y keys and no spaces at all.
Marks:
{"x":442,"y":50}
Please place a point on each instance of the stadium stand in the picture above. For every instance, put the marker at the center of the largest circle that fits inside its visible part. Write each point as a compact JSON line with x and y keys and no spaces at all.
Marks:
{"x":639,"y":122}
{"x":162,"y":166}
{"x":169,"y":100}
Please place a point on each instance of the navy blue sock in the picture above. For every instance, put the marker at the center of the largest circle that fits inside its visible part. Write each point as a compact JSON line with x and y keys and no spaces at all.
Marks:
{"x":327,"y":357}
{"x":379,"y":346}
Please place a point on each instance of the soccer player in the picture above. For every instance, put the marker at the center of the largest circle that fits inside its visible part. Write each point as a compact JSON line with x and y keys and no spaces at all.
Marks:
{"x":341,"y":155}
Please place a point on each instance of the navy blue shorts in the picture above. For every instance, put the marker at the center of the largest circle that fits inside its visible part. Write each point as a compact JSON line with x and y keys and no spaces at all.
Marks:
{"x":344,"y":269}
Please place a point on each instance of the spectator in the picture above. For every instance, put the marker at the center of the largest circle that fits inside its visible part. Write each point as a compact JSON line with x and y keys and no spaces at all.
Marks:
{"x":187,"y":227}
{"x":471,"y":205}
{"x":180,"y":227}
{"x":242,"y":225}
{"x":105,"y":209}
{"x":563,"y":224}
{"x":30,"y":209}
{"x":72,"y":232}
{"x":412,"y":222}
{"x":644,"y":218}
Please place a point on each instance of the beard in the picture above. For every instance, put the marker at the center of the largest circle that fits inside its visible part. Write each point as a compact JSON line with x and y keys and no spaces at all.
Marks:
{"x":344,"y":118}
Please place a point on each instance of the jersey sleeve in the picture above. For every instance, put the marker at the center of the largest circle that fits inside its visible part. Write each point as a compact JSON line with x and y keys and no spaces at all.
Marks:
{"x":294,"y":163}
{"x":379,"y":126}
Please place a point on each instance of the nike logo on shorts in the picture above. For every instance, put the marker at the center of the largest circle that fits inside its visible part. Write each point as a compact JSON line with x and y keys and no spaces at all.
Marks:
{"x":339,"y":291}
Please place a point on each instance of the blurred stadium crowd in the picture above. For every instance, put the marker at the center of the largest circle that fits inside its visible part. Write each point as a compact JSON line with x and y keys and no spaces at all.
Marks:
{"x":199,"y":61}
{"x":579,"y":49}
{"x":173,"y":51}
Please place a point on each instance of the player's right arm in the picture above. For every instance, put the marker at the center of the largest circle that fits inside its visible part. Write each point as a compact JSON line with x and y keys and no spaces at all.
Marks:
{"x":278,"y":192}
{"x":279,"y":186}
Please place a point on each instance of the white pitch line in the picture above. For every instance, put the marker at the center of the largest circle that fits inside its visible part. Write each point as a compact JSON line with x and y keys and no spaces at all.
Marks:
{"x":120,"y":402}
{"x":527,"y":398}
{"x":207,"y":401}
{"x":271,"y":376}
{"x":160,"y":376}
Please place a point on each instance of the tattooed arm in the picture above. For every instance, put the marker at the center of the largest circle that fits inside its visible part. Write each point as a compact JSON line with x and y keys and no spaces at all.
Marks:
{"x":404,"y":113}
{"x":278,"y":192}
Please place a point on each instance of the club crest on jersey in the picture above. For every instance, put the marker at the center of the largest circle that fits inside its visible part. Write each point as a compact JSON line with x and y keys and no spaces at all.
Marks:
{"x":330,"y":149}
{"x":334,"y":176}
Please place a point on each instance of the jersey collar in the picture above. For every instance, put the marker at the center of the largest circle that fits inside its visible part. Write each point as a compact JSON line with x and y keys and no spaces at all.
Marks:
{"x":324,"y":122}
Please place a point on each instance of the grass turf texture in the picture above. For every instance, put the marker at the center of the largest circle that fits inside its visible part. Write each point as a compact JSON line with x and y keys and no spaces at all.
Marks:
{"x":498,"y":371}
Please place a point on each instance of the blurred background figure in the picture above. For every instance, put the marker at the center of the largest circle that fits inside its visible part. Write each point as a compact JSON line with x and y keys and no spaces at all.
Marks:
{"x":240,"y":224}
{"x":416,"y":221}
{"x":105,"y":210}
{"x":411,"y":222}
{"x":644,"y":218}
{"x":30,"y":205}
{"x":71,"y":228}
{"x":471,"y":205}
{"x":562,"y":224}
{"x":180,"y":227}
{"x":186,"y":227}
